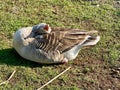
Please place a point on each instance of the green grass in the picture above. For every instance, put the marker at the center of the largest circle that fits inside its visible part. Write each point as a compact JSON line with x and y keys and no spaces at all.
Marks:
{"x":15,"y":14}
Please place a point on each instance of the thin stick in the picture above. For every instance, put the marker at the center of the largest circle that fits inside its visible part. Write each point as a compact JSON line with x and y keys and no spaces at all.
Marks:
{"x":8,"y":78}
{"x":11,"y":75}
{"x":3,"y":82}
{"x":53,"y":79}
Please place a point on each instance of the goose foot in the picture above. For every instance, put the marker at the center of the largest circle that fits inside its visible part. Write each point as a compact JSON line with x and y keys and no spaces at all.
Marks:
{"x":65,"y":60}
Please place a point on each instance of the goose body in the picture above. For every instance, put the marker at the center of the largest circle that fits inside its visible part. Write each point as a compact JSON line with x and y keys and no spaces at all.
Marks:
{"x":57,"y":45}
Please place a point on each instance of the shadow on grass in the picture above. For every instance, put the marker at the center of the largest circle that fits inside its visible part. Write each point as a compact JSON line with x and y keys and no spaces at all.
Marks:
{"x":12,"y":58}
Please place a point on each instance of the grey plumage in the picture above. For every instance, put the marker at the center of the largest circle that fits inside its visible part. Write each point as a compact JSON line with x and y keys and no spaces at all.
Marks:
{"x":60,"y":45}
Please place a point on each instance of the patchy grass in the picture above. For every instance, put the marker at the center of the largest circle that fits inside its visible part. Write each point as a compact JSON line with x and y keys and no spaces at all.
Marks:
{"x":94,"y":68}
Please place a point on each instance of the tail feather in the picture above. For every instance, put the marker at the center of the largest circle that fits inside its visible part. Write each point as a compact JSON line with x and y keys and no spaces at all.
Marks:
{"x":91,"y":41}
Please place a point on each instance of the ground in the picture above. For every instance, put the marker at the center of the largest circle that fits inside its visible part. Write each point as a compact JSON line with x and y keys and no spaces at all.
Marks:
{"x":95,"y":68}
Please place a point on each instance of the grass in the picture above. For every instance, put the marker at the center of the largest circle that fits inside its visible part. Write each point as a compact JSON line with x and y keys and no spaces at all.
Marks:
{"x":90,"y":63}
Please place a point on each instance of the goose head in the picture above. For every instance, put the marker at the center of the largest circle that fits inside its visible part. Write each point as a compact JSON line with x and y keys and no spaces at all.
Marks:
{"x":41,"y":28}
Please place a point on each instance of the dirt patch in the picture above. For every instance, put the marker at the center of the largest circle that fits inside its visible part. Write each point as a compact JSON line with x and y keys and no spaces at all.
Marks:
{"x":94,"y":74}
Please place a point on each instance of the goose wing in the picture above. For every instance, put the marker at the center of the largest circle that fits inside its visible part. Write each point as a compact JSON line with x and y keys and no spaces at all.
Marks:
{"x":60,"y":40}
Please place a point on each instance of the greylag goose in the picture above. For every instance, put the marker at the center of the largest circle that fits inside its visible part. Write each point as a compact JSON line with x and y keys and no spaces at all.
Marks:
{"x":44,"y":44}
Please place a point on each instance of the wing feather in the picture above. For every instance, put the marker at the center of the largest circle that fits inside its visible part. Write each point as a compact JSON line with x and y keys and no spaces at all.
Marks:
{"x":59,"y":40}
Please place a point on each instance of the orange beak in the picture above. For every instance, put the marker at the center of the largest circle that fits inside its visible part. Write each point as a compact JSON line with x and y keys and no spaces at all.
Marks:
{"x":46,"y":27}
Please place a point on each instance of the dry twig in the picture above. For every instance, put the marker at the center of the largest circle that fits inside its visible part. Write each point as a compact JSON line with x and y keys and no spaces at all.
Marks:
{"x":53,"y":79}
{"x":8,"y":78}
